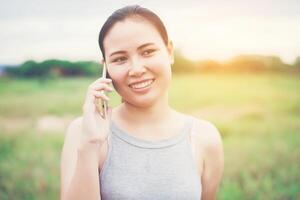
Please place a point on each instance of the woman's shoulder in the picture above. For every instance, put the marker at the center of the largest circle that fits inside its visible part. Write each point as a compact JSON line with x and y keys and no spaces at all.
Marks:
{"x":76,"y":121}
{"x":205,"y":133}
{"x":73,"y":130}
{"x":75,"y":124}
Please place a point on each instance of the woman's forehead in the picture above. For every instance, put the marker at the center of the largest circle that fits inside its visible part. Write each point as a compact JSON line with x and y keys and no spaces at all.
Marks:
{"x":131,"y":33}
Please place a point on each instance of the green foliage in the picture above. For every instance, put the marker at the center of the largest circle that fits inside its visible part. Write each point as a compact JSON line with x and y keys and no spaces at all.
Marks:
{"x":54,"y":68}
{"x":182,"y":65}
{"x":255,"y":63}
{"x":297,"y":63}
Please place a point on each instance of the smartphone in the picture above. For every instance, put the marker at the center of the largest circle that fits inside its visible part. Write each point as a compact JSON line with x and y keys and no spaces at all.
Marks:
{"x":103,"y":104}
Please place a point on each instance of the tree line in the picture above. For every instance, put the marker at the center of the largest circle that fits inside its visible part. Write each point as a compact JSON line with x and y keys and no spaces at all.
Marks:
{"x":53,"y":68}
{"x":242,"y":63}
{"x":239,"y":64}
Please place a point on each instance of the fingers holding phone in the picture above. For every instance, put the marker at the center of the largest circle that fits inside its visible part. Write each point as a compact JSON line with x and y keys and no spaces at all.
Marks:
{"x":96,"y":92}
{"x":95,"y":124}
{"x":102,"y":105}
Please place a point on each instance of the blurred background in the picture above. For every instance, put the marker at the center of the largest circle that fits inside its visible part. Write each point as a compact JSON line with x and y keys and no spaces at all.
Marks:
{"x":237,"y":64}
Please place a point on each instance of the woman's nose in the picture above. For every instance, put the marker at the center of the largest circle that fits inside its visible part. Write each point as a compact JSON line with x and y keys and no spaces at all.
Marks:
{"x":137,"y":69}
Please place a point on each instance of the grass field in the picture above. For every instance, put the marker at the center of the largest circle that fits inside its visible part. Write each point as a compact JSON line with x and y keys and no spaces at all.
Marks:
{"x":258,"y":116}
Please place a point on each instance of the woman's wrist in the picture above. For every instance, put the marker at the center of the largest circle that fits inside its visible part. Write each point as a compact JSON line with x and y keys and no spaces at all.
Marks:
{"x":89,"y":152}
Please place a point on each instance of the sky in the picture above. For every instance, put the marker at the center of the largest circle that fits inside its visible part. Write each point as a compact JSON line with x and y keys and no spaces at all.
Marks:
{"x":200,"y":29}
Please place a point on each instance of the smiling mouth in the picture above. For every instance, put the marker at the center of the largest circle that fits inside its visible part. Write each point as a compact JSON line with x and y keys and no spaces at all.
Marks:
{"x":142,"y":85}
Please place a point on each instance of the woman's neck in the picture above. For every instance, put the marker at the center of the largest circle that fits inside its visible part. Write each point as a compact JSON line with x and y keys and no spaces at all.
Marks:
{"x":154,"y":114}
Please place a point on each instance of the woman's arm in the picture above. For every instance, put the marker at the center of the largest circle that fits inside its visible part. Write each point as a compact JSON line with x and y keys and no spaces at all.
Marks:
{"x":79,"y":168}
{"x":213,"y":159}
{"x":83,"y":145}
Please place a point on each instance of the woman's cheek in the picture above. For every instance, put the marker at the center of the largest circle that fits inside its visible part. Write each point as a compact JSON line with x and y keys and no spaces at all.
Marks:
{"x":154,"y":62}
{"x":118,"y":78}
{"x":161,"y":66}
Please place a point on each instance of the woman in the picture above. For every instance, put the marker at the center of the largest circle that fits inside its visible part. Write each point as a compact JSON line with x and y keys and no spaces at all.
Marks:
{"x":143,"y":149}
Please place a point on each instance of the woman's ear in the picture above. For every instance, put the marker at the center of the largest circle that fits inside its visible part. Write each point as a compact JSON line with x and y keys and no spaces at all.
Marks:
{"x":170,"y":49}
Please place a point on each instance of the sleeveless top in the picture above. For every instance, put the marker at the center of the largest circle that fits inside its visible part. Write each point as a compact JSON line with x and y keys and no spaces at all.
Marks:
{"x":142,"y":169}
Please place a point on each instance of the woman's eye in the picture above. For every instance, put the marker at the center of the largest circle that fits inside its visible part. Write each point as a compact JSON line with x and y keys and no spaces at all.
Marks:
{"x":148,"y":52}
{"x":119,"y":59}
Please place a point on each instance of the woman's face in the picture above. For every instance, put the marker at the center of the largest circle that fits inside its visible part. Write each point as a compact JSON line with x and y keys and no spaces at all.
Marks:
{"x":138,"y":61}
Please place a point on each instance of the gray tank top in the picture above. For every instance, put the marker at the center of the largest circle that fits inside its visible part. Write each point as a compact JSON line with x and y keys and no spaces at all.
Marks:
{"x":142,"y":169}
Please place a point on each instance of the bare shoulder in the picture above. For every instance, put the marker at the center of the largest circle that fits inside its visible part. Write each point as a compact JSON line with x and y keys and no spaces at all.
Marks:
{"x":72,"y":142}
{"x":206,"y":134}
{"x":73,"y":129}
{"x":72,"y":139}
{"x":210,"y":143}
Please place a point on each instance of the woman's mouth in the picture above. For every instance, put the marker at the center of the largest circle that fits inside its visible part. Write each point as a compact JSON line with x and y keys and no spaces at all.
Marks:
{"x":141,"y":85}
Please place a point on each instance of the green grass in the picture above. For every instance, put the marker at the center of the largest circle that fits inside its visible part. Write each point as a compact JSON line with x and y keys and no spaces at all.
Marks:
{"x":258,"y":116}
{"x":29,"y":166}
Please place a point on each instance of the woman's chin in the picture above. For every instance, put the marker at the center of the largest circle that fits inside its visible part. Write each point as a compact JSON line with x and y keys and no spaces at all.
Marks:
{"x":142,"y":102}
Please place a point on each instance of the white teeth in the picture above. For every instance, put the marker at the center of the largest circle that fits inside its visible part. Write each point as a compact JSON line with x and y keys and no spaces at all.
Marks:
{"x":141,"y":85}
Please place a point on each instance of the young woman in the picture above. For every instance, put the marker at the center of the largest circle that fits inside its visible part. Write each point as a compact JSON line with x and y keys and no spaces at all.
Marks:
{"x":143,"y":149}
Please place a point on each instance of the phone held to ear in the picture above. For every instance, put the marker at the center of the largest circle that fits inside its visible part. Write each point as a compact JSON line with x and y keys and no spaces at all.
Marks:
{"x":102,"y":105}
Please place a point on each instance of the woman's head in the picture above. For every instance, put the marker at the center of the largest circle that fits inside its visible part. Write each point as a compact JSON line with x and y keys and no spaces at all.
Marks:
{"x":131,"y":11}
{"x":138,"y":55}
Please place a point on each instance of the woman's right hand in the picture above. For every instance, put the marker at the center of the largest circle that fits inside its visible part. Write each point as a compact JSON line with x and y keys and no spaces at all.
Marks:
{"x":95,"y":128}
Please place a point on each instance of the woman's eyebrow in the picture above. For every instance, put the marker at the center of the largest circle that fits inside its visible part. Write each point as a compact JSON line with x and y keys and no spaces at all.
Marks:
{"x":140,"y":47}
{"x":116,"y":52}
{"x":145,"y":45}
